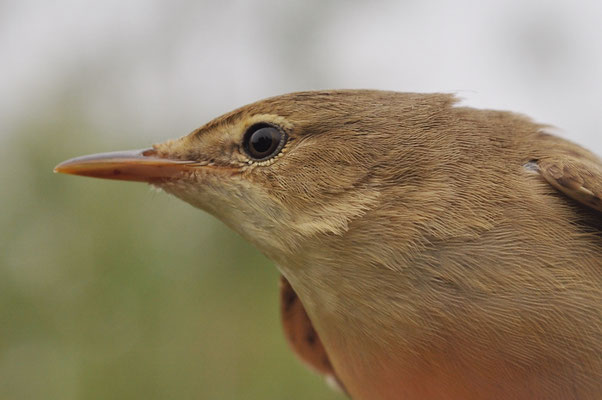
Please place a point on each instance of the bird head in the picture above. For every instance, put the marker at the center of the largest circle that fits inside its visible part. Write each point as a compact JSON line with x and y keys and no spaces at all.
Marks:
{"x":283,"y":170}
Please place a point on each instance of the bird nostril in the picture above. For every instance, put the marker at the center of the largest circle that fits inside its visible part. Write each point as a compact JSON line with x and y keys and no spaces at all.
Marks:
{"x":151,"y":152}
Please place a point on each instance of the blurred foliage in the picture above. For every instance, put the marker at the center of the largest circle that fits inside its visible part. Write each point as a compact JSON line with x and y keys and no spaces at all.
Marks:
{"x":109,"y":290}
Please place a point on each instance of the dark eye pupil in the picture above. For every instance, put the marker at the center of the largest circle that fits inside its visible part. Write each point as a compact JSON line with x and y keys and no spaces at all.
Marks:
{"x":263,"y":142}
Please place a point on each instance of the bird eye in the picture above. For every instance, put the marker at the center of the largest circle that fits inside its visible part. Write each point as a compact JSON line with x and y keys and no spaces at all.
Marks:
{"x":263,"y":141}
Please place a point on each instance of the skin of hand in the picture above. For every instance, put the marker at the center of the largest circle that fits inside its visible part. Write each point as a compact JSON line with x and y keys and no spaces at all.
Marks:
{"x":435,"y":251}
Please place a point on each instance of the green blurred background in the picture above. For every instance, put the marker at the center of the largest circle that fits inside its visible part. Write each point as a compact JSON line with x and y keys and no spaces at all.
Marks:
{"x":113,"y":290}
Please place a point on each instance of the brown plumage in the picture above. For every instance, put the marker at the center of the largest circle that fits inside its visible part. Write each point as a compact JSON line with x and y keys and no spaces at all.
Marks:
{"x":437,"y":251}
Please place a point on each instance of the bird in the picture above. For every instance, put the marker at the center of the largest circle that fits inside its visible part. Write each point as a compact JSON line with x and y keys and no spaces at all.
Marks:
{"x":427,"y":250}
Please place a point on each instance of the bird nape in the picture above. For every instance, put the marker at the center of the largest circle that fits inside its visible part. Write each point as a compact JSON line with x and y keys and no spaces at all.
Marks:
{"x":427,"y":250}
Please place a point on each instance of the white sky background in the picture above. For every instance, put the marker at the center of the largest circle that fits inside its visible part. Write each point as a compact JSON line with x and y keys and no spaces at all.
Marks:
{"x":152,"y":70}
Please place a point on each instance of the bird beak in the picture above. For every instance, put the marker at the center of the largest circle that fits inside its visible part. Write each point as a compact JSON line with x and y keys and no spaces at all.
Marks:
{"x":136,"y":165}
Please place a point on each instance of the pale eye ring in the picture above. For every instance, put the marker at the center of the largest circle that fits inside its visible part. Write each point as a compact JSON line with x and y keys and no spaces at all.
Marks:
{"x":263,"y":141}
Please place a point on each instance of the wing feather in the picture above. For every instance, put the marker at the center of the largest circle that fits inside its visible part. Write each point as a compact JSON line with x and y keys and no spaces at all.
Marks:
{"x":301,"y":335}
{"x":580,"y":179}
